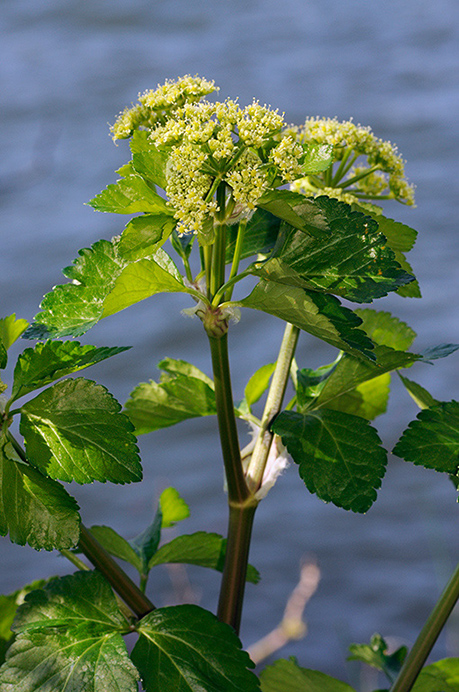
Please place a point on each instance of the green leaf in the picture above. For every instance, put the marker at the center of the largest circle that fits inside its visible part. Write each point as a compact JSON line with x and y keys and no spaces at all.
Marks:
{"x":368,"y":400}
{"x":287,"y":676}
{"x":174,"y":367}
{"x":147,"y":160}
{"x":8,"y":607}
{"x":71,"y":309}
{"x":432,"y":440}
{"x":69,"y":638}
{"x":141,"y":280}
{"x":173,"y":508}
{"x":146,"y":543}
{"x":130,"y":195}
{"x":385,"y":329}
{"x":200,"y":548}
{"x":259,"y":238}
{"x":411,"y":290}
{"x":316,"y":313}
{"x":375,"y":654}
{"x":39,"y":366}
{"x":297,"y":210}
{"x":419,"y":395}
{"x":351,"y":372}
{"x":258,"y":383}
{"x":316,"y":158}
{"x":153,"y":405}
{"x":440,"y":676}
{"x":353,"y":261}
{"x":11,"y":329}
{"x":117,"y":546}
{"x":187,"y":648}
{"x":144,"y":235}
{"x":399,"y":236}
{"x":34,"y":509}
{"x":340,"y":456}
{"x":3,"y":356}
{"x":74,"y":431}
{"x":436,"y":352}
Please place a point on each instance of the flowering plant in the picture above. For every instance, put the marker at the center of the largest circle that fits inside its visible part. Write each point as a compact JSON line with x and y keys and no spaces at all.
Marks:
{"x":244,"y":195}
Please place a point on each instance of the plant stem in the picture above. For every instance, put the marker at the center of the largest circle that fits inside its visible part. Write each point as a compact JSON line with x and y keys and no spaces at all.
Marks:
{"x":237,"y":487}
{"x":237,"y":255}
{"x":428,"y":636}
{"x":272,"y":407}
{"x":113,"y":573}
{"x":232,"y":589}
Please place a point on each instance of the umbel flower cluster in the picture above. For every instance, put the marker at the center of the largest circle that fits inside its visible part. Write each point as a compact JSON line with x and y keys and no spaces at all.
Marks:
{"x":367,"y":168}
{"x":250,"y":149}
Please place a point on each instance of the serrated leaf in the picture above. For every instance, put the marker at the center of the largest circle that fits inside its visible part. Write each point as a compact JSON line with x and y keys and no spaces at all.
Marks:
{"x":436,"y":352}
{"x":316,"y":313}
{"x":186,"y":648}
{"x":419,"y":395}
{"x":147,"y":160}
{"x":385,"y":329}
{"x":350,"y":372}
{"x":141,"y":280}
{"x":201,"y":548}
{"x":71,"y":309}
{"x":153,"y":405}
{"x":11,"y":329}
{"x":258,"y":383}
{"x":130,"y":195}
{"x":173,"y":508}
{"x":399,"y":236}
{"x":74,"y":431}
{"x":174,"y":366}
{"x":34,"y":509}
{"x":353,"y":261}
{"x":259,"y":237}
{"x":297,"y":210}
{"x":287,"y":676}
{"x":432,"y":440}
{"x":440,"y":676}
{"x":375,"y":654}
{"x":368,"y":400}
{"x":411,"y":290}
{"x":340,"y":456}
{"x":144,"y":235}
{"x":116,"y":545}
{"x":316,"y":158}
{"x":69,"y":639}
{"x":39,"y":366}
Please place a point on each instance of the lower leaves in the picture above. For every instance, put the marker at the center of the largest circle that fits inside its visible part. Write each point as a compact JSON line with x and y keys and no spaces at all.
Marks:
{"x":69,"y":637}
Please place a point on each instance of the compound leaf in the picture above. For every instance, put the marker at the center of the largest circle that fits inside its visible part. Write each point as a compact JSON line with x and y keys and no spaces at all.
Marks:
{"x":34,"y":509}
{"x":39,"y":366}
{"x":287,"y":676}
{"x":340,"y":456}
{"x":316,"y":313}
{"x":74,"y":431}
{"x":187,"y":648}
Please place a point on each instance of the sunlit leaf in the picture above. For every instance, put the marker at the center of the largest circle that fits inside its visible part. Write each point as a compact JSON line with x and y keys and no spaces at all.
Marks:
{"x":39,"y":366}
{"x":440,"y":676}
{"x":74,"y":431}
{"x":130,"y":195}
{"x":340,"y":457}
{"x":70,"y":638}
{"x":316,"y":313}
{"x":34,"y":509}
{"x":419,"y":395}
{"x":297,"y":210}
{"x":375,"y":654}
{"x":258,"y":383}
{"x":144,"y":234}
{"x":173,"y":508}
{"x":187,"y":648}
{"x":353,"y":261}
{"x":385,"y":329}
{"x":11,"y":329}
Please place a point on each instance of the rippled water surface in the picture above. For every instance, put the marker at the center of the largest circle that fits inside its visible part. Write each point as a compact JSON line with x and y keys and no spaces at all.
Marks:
{"x":67,"y":68}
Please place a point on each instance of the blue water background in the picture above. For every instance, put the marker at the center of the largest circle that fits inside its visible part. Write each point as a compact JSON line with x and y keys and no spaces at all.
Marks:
{"x":67,"y":68}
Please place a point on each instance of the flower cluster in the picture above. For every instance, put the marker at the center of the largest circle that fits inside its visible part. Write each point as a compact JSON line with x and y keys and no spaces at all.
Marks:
{"x":366,"y":167}
{"x":209,"y":143}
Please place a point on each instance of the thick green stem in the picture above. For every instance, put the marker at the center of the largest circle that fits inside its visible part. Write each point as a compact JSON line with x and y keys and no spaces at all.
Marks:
{"x":237,"y":487}
{"x":123,"y":585}
{"x":272,"y":407}
{"x":428,"y":636}
{"x":237,"y":555}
